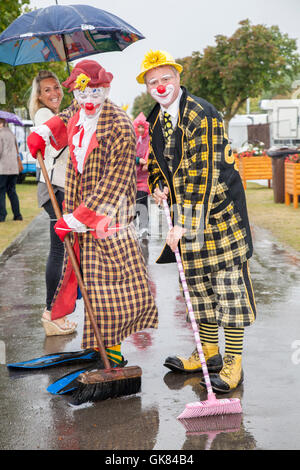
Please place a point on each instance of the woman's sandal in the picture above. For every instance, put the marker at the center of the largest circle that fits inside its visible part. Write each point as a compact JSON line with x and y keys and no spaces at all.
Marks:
{"x":53,"y":329}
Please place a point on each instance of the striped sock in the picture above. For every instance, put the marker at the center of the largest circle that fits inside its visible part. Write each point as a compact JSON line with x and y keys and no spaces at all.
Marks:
{"x":209,"y":333}
{"x":114,"y":353}
{"x":234,"y":340}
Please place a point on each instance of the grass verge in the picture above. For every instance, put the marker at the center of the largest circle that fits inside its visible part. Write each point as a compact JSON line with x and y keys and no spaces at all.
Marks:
{"x":10,"y":229}
{"x":281,"y":220}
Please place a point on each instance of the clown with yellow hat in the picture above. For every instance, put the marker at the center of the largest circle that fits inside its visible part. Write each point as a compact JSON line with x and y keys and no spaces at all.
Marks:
{"x":190,"y":158}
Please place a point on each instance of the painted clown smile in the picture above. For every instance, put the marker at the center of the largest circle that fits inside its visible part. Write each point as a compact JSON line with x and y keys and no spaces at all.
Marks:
{"x":165,"y":96}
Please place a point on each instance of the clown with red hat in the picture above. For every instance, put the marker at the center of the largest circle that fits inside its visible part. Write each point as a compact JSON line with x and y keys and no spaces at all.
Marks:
{"x":100,"y":192}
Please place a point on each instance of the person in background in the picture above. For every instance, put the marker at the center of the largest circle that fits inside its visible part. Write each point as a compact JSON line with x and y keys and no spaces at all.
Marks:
{"x":141,"y":127}
{"x":44,"y":103}
{"x":191,"y":157}
{"x":9,"y":170}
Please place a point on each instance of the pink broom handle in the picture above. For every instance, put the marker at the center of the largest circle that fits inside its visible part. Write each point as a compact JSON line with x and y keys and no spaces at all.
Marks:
{"x":189,"y":305}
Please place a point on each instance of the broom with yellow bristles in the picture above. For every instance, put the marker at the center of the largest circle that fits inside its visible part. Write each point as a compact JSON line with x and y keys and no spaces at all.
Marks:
{"x":98,"y":384}
{"x":211,"y":406}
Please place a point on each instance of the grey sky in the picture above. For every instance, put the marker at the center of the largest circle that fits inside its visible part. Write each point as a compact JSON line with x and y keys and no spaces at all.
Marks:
{"x":180,"y":27}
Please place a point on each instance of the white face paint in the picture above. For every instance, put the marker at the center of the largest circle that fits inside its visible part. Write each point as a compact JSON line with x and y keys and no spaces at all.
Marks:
{"x":91,"y":99}
{"x":163,"y":84}
{"x":163,"y":98}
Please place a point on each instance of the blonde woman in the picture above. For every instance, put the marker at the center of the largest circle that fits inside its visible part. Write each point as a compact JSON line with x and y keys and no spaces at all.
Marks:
{"x":44,"y":103}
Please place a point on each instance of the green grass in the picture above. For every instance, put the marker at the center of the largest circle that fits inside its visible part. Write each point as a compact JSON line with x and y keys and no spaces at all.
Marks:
{"x":281,"y":220}
{"x":27,"y":193}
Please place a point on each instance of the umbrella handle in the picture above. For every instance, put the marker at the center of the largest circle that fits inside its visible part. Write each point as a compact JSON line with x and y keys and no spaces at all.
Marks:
{"x":74,"y":263}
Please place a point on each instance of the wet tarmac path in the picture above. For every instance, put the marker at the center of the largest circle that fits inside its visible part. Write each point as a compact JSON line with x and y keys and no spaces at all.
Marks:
{"x":31,"y":418}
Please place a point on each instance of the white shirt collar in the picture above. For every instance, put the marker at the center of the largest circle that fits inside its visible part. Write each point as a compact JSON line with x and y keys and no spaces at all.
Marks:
{"x":174,"y":107}
{"x":89,"y":125}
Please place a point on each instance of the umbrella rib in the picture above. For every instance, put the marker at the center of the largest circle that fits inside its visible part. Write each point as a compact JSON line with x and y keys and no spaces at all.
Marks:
{"x":18,"y":52}
{"x":66,"y":52}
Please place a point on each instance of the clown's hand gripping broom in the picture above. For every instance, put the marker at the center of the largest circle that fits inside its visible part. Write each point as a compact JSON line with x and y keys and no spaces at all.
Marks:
{"x":211,"y":406}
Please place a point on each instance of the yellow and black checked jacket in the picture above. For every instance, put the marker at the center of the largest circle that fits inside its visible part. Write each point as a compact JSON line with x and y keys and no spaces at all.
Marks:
{"x":206,"y":191}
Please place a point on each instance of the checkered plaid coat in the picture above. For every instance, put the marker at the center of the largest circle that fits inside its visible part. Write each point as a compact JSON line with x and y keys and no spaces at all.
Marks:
{"x":206,"y":192}
{"x":113,"y":269}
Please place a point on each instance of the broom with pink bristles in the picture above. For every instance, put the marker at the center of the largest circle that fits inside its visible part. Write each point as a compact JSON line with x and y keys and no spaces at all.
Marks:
{"x":211,"y":406}
{"x":212,"y":426}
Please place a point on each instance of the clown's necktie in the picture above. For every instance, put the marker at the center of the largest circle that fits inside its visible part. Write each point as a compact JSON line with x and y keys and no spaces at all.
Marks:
{"x":168,"y":126}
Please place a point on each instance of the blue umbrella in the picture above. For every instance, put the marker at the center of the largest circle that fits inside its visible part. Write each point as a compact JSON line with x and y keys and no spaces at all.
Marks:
{"x":64,"y":32}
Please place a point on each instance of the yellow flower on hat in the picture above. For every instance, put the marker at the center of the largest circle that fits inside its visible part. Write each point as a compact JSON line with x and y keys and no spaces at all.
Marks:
{"x":82,"y":81}
{"x":155,"y":59}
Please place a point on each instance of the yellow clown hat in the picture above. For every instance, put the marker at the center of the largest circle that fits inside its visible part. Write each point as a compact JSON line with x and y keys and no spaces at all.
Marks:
{"x":155,"y":59}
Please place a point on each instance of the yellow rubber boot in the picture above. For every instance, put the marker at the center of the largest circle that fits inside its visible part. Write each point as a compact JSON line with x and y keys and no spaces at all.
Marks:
{"x":231,"y":375}
{"x":192,"y":364}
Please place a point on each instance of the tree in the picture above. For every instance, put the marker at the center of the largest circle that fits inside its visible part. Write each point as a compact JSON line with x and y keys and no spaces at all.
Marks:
{"x":10,"y":10}
{"x":18,"y":79}
{"x":253,"y":60}
{"x":142,"y":103}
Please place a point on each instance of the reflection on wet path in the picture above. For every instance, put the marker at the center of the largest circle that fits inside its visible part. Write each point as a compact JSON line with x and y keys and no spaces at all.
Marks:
{"x":275,"y":271}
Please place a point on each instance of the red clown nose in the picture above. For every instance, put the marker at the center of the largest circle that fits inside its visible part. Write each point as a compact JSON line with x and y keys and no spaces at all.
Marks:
{"x":161,"y":89}
{"x":89,"y":106}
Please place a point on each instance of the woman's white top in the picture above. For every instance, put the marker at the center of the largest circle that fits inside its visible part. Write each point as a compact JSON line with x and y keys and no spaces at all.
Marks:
{"x":56,"y":166}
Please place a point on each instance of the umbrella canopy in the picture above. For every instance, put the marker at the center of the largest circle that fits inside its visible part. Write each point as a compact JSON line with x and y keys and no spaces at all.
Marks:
{"x":64,"y":32}
{"x":10,"y":117}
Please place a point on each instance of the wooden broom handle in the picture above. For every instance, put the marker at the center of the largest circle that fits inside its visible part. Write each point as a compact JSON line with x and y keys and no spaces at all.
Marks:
{"x":74,"y":262}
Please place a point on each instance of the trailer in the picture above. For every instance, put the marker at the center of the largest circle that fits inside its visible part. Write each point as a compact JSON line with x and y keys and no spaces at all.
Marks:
{"x":284,"y":120}
{"x":238,"y":128}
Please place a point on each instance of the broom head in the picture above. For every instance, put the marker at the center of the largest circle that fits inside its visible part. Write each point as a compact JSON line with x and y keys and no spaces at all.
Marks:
{"x":211,"y":406}
{"x":101,"y":384}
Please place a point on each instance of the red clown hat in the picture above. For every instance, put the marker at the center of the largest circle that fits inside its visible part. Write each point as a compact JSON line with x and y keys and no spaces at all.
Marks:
{"x":96,"y":75}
